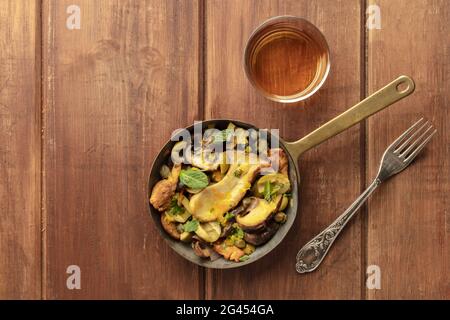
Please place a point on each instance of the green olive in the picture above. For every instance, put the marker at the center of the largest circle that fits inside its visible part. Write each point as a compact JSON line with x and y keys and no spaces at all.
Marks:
{"x":240,"y":243}
{"x":284,"y":203}
{"x":229,"y":242}
{"x":280,"y":217}
{"x":249,"y":249}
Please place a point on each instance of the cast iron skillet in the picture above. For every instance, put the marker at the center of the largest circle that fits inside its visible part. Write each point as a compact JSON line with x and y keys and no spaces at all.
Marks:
{"x":396,"y":90}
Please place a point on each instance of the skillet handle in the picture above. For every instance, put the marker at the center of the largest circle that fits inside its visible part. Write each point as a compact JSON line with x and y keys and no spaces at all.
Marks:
{"x":394,"y":91}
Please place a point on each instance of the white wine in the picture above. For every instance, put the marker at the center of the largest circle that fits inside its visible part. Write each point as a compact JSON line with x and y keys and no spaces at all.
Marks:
{"x":285,"y":60}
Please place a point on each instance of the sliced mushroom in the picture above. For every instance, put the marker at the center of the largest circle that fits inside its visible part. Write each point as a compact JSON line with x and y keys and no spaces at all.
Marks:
{"x":213,"y":201}
{"x":247,"y":205}
{"x":263,"y":236}
{"x":201,"y":249}
{"x":209,"y":231}
{"x":164,"y":190}
{"x":277,"y":180}
{"x":257,"y":214}
{"x":226,"y":231}
{"x":169,"y":226}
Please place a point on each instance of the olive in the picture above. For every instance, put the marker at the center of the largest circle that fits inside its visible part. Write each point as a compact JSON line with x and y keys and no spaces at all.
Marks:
{"x":284,"y":203}
{"x":240,"y":243}
{"x":280,"y":217}
{"x":249,"y":249}
{"x":229,"y":242}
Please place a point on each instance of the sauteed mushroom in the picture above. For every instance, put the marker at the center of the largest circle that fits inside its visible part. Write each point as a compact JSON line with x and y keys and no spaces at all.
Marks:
{"x":169,"y":226}
{"x":212,"y":207}
{"x":214,"y":201}
{"x":201,"y":249}
{"x":256,"y":215}
{"x":164,"y":190}
{"x":263,"y":236}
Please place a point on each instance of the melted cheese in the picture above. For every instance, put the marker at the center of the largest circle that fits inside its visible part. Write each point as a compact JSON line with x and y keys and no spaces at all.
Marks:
{"x":215,"y":200}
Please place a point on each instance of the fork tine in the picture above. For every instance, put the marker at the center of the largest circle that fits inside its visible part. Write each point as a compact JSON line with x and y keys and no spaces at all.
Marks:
{"x":404,"y":134}
{"x":413,"y":154}
{"x":416,"y":141}
{"x":410,"y":138}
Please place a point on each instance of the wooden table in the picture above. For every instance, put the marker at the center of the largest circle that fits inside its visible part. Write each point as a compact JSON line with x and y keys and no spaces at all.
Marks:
{"x":83,"y":113}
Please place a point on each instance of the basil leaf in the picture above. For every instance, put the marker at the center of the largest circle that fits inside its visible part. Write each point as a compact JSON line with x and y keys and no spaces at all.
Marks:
{"x":190,"y":226}
{"x":267,"y":191}
{"x":223,"y":136}
{"x":238,"y":233}
{"x":194,"y":179}
{"x":228,"y":216}
{"x":174,"y":208}
{"x":244,"y":258}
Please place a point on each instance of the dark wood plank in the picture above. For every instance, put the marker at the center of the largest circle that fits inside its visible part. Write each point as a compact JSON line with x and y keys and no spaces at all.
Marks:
{"x":20,"y":246}
{"x":114,"y":92}
{"x":330,"y":174}
{"x":409,"y":217}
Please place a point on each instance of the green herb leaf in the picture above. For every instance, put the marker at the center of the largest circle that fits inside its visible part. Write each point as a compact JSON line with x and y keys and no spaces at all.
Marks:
{"x":238,"y":233}
{"x":223,"y":136}
{"x":174,"y":208}
{"x":190,"y":226}
{"x":237,"y":173}
{"x":267,"y":193}
{"x":194,"y":179}
{"x":244,"y":258}
{"x":270,"y":190}
{"x":228,"y":216}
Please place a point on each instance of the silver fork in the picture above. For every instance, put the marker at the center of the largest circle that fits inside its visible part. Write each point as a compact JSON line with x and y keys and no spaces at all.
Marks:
{"x":396,"y":158}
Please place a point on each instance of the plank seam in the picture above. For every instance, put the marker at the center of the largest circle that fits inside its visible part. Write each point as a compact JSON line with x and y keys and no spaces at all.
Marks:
{"x":201,"y":106}
{"x":363,"y":147}
{"x":47,"y":91}
{"x":39,"y":58}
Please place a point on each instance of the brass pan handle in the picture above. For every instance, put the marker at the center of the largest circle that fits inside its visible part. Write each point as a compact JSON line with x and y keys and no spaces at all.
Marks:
{"x":394,"y":91}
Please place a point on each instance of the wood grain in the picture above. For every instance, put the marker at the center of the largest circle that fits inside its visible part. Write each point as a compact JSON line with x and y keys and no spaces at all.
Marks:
{"x":408,"y":226}
{"x":20,"y":246}
{"x":114,"y":92}
{"x":330,"y":174}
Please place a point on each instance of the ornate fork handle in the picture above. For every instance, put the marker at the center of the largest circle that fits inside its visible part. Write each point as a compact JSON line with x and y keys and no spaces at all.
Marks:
{"x":311,"y":255}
